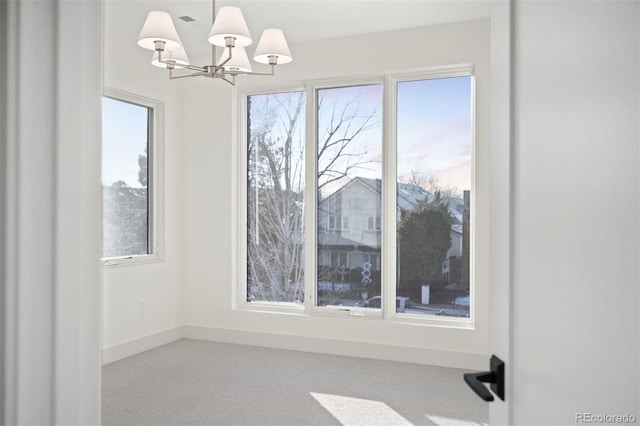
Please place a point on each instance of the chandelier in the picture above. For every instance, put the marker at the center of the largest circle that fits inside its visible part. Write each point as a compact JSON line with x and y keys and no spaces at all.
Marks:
{"x":229,"y":31}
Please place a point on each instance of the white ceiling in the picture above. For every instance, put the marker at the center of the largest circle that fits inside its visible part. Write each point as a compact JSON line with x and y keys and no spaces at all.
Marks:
{"x":307,"y":20}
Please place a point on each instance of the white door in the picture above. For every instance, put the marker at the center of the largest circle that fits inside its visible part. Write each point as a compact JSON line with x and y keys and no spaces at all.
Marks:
{"x":565,"y":211}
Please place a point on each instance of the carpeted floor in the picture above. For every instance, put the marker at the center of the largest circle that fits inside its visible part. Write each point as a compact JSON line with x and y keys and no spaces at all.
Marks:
{"x":192,"y":382}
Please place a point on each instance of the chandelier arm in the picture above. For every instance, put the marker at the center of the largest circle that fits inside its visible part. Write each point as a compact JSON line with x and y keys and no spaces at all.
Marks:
{"x":190,"y":67}
{"x":219,"y":67}
{"x":195,"y":74}
{"x":195,"y":68}
{"x":273,"y":72}
{"x":227,"y":80}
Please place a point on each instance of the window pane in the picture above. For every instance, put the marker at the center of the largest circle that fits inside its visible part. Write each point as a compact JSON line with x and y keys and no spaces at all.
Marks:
{"x":125,"y":177}
{"x":275,"y":194}
{"x":433,"y":196}
{"x":349,"y":195}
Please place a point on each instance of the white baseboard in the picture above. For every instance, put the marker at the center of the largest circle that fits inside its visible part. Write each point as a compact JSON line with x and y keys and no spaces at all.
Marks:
{"x":141,"y":344}
{"x":436,"y":357}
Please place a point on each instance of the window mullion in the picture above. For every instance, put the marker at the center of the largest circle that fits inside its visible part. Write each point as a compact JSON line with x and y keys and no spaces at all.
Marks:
{"x":310,"y":201}
{"x":389,"y":179}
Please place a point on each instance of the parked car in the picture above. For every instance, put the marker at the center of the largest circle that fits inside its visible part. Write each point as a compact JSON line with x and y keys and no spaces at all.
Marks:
{"x":376,"y":302}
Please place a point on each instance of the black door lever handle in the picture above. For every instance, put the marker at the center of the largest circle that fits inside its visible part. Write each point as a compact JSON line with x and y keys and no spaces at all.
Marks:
{"x":475,"y":380}
{"x":495,"y":377}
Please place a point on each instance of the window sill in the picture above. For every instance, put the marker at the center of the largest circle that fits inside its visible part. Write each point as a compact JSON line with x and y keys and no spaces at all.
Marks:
{"x":433,"y":321}
{"x":284,"y":308}
{"x":131,"y":260}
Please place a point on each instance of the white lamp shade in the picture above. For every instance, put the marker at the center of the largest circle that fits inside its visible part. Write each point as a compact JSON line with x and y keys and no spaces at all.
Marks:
{"x":239,"y":60}
{"x":159,"y":27}
{"x":272,"y":43}
{"x":178,"y":56}
{"x":230,"y":23}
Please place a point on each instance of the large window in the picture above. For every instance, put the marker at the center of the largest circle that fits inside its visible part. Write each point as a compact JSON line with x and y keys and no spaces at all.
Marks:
{"x":383,"y":221}
{"x":275,"y":194}
{"x":434,"y":141}
{"x":128,"y":181}
{"x":349,"y":173}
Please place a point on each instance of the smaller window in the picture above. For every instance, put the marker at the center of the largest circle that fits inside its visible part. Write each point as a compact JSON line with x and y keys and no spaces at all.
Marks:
{"x":337,"y":222}
{"x":128,"y":181}
{"x":373,"y":223}
{"x":338,"y":259}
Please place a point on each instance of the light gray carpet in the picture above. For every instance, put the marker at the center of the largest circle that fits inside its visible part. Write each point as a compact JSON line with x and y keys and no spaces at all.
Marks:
{"x":191,"y":382}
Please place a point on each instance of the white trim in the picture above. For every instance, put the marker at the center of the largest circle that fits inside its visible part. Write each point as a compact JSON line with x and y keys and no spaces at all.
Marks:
{"x":141,"y":344}
{"x":156,"y":174}
{"x":8,"y":194}
{"x":441,"y":71}
{"x":349,"y":81}
{"x":389,"y":177}
{"x":447,"y":71}
{"x":352,"y":348}
{"x":501,"y":202}
{"x":239,"y":208}
{"x":51,"y":210}
{"x":310,"y":201}
{"x":239,"y":216}
{"x":311,"y":196}
{"x":238,"y":242}
{"x":389,"y":199}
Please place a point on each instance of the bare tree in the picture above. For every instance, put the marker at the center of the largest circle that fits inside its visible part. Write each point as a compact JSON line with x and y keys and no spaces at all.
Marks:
{"x":416,"y":177}
{"x":276,"y":178}
{"x":338,"y":155}
{"x":275,"y":267}
{"x":429,"y":181}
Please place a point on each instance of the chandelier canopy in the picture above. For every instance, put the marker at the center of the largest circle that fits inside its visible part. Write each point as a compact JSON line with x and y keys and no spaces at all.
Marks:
{"x":229,"y":31}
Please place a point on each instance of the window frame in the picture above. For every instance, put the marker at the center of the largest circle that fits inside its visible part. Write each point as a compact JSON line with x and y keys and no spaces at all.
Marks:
{"x":389,"y":186}
{"x":155,"y":179}
{"x":239,"y":296}
{"x":387,"y":224}
{"x":311,"y":196}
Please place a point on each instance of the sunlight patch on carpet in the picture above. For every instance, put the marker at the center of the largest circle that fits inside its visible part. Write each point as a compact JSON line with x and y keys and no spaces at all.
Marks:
{"x":448,"y":421}
{"x":357,"y":411}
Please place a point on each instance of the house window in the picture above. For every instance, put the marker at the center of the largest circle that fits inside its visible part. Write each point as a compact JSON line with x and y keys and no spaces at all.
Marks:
{"x":129,"y":142}
{"x":373,"y":223}
{"x":349,"y":140}
{"x":411,"y":189}
{"x":338,"y":259}
{"x":337,"y":222}
{"x":275,"y":185}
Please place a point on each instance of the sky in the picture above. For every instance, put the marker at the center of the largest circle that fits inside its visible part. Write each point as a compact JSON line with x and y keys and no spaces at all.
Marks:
{"x":433,"y":132}
{"x":434,"y":129}
{"x":124,"y":137}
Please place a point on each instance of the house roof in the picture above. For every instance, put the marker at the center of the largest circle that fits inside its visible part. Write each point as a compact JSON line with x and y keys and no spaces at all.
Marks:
{"x":408,"y":196}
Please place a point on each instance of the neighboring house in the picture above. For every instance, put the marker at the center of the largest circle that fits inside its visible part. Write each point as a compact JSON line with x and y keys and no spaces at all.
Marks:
{"x":349,"y":224}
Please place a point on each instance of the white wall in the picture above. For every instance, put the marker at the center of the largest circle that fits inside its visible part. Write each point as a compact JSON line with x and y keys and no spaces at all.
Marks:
{"x":575,"y":285}
{"x":209,"y":203}
{"x":128,"y":67}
